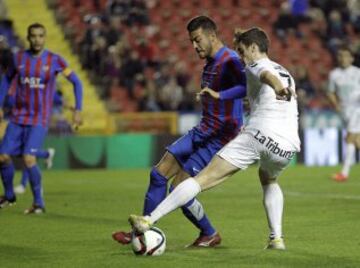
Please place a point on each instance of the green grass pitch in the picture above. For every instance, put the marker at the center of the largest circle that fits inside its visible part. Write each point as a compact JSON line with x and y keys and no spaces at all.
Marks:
{"x":321,"y":222}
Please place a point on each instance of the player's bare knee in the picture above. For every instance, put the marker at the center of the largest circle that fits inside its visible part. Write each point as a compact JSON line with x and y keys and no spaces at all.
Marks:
{"x":5,"y":159}
{"x":357,"y":141}
{"x":180,"y":176}
{"x":168,"y":166}
{"x":29,"y":160}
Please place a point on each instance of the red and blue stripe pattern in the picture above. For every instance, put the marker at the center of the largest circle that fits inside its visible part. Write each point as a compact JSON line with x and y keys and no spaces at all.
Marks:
{"x":35,"y":86}
{"x":222,"y":117}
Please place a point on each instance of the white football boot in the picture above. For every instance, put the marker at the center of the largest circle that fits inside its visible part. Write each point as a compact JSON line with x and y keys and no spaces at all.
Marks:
{"x":276,"y":243}
{"x":140,"y":224}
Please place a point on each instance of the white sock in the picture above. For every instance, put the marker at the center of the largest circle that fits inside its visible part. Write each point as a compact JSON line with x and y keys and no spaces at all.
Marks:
{"x":349,"y":159}
{"x":274,"y":203}
{"x":182,"y":194}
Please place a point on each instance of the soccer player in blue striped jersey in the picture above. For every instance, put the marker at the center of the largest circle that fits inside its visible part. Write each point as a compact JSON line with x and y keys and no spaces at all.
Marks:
{"x":223,"y":85}
{"x":34,"y":73}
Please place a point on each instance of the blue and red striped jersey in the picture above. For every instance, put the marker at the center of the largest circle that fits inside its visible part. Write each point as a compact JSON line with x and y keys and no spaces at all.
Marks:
{"x":222,"y":117}
{"x":35,"y":86}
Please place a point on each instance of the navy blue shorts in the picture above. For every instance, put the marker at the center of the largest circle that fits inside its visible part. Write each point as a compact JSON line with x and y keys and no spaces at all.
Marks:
{"x":22,"y":139}
{"x":194,"y":150}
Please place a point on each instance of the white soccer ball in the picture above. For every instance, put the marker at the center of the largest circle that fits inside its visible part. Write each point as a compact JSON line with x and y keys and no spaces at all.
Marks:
{"x":150,"y":243}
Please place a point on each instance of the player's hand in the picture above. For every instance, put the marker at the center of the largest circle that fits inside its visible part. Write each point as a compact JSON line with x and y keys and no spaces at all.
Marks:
{"x":212,"y":93}
{"x":285,"y":94}
{"x":77,"y":119}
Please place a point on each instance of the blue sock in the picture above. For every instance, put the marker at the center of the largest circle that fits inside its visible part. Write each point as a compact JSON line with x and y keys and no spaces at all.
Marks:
{"x":24,"y":177}
{"x":35,"y":182}
{"x":156,"y":191}
{"x":194,"y":211}
{"x":42,"y":154}
{"x":7,"y":175}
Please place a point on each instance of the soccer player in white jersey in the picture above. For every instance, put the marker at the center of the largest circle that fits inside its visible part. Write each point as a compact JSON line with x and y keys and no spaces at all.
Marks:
{"x":270,"y":136}
{"x":344,"y":94}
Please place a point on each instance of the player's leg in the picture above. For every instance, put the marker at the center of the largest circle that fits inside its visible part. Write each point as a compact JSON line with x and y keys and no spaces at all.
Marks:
{"x":21,"y":188}
{"x":195,"y":213}
{"x":48,"y":155}
{"x":32,"y":168}
{"x":271,"y":166}
{"x":159,"y":176}
{"x":237,"y":154}
{"x":7,"y":172}
{"x":352,"y":137}
{"x":193,"y":210}
{"x":10,"y":145}
{"x":170,"y":164}
{"x":273,"y":201}
{"x":34,"y":137}
{"x":350,"y":140}
{"x":216,"y":172}
{"x":156,"y":192}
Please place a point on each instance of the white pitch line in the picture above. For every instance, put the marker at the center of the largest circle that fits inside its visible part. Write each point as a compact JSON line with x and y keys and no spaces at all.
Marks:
{"x":322,"y":195}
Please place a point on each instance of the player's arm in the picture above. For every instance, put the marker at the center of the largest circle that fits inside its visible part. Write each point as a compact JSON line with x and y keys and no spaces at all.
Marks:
{"x":5,"y":84}
{"x":331,"y":94}
{"x":234,"y":71}
{"x":235,"y":92}
{"x":78,"y":93}
{"x":282,"y":92}
{"x":334,"y":100}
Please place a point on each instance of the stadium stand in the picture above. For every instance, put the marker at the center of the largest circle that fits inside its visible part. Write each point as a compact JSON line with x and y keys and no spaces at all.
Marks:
{"x":134,"y":50}
{"x":94,"y":110}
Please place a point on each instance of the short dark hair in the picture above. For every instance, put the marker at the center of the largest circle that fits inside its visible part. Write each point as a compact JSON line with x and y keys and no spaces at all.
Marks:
{"x":202,"y":22}
{"x":253,"y":36}
{"x":345,"y":47}
{"x":35,"y":25}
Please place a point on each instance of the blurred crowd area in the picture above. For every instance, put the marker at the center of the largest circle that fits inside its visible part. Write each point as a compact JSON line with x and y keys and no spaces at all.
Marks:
{"x":138,"y":54}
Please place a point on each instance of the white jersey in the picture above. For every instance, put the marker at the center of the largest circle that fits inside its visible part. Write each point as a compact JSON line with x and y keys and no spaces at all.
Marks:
{"x":267,"y":113}
{"x":345,"y":83}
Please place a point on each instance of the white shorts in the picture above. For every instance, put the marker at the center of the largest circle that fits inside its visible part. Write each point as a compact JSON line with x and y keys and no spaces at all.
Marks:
{"x":352,"y":120}
{"x":249,"y":146}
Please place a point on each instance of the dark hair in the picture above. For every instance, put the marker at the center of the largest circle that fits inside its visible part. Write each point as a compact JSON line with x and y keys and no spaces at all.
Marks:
{"x":203,"y":22}
{"x":345,"y":47}
{"x":253,"y":36}
{"x":35,"y":25}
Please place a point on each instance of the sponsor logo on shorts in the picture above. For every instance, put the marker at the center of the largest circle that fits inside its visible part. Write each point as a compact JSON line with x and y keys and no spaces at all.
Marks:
{"x":273,"y":146}
{"x":195,"y":170}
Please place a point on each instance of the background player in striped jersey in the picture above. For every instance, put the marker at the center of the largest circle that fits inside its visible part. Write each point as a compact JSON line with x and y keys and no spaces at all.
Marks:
{"x":46,"y":154}
{"x":344,"y":94}
{"x":35,"y":71}
{"x":223,"y":85}
{"x":270,"y":136}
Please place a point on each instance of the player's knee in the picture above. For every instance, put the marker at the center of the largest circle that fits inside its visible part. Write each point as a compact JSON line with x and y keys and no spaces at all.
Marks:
{"x":168,"y":166}
{"x":265,"y":178}
{"x":29,"y":160}
{"x":5,"y":159}
{"x":181,"y":176}
{"x":357,"y":141}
